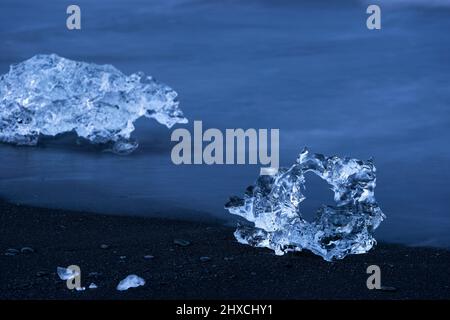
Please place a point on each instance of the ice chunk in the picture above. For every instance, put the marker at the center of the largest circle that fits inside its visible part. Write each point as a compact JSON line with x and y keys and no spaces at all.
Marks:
{"x":132,"y":281}
{"x":93,"y":286}
{"x":49,"y":95}
{"x":66,"y":273}
{"x":273,"y":205}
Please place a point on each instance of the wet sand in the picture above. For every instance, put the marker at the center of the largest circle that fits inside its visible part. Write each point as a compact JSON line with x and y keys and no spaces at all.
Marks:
{"x":211,"y":266}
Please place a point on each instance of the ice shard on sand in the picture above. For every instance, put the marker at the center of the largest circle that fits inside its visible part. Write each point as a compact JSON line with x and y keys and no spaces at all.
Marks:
{"x":273,"y":206}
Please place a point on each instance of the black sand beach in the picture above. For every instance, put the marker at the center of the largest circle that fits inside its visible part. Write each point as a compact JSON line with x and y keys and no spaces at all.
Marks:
{"x":108,"y":248}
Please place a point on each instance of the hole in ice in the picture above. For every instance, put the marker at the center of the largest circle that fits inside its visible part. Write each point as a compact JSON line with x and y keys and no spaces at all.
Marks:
{"x":317,"y":192}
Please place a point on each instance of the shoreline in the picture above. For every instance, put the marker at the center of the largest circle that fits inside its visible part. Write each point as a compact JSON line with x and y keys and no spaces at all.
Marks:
{"x":211,"y":266}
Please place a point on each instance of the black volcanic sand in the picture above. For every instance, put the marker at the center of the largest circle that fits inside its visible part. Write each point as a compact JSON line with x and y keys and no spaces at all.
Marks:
{"x":234,"y":271}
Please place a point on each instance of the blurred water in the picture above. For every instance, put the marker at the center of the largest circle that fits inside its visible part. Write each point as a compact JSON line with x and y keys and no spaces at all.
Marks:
{"x":312,"y":70}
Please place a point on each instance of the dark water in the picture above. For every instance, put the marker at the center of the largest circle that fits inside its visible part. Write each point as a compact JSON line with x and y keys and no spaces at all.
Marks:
{"x":312,"y":70}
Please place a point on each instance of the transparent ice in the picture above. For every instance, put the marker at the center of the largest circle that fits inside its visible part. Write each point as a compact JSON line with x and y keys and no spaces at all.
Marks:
{"x":273,"y":205}
{"x":93,"y":286}
{"x":49,"y":95}
{"x":66,"y":273}
{"x":132,"y":281}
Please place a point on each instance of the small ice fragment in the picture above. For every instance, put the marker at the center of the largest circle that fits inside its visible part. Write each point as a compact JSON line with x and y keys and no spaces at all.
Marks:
{"x":132,"y":281}
{"x":182,"y":242}
{"x":148,"y":257}
{"x":94,"y":274}
{"x":80,"y":288}
{"x":93,"y":286}
{"x":27,"y":250}
{"x":66,"y":273}
{"x":387,"y":289}
{"x":11,"y":252}
{"x":41,"y":273}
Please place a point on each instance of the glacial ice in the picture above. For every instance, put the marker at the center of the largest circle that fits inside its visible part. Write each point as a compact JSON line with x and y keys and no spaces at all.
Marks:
{"x":66,"y":273}
{"x":131,"y":281}
{"x":49,"y":95}
{"x":273,"y":206}
{"x":92,"y":286}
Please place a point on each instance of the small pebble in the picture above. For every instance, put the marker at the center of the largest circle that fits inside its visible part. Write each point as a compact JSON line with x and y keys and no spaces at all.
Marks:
{"x":122,"y":257}
{"x":42,"y":273}
{"x":205,"y":259}
{"x":12,"y":251}
{"x":387,"y":289}
{"x":27,"y":250}
{"x":104,"y":246}
{"x":94,"y":274}
{"x":182,"y":242}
